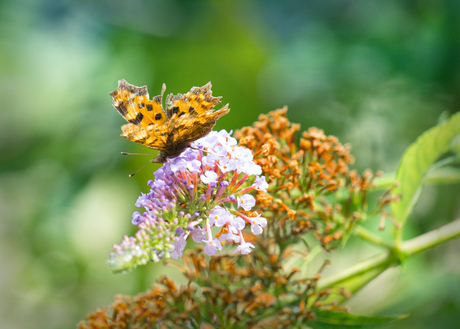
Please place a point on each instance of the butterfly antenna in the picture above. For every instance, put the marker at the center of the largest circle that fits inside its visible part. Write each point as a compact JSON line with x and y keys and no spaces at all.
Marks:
{"x":151,"y":160}
{"x":126,"y":153}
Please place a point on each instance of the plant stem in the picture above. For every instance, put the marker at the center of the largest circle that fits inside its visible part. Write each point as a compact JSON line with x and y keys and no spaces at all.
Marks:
{"x":445,"y":175}
{"x":373,"y":238}
{"x":450,"y":160}
{"x":439,"y":174}
{"x":385,"y":181}
{"x":384,"y":258}
{"x":431,"y":239}
{"x":389,"y":259}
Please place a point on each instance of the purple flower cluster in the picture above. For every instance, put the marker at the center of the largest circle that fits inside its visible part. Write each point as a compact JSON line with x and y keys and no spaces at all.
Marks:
{"x":206,"y":186}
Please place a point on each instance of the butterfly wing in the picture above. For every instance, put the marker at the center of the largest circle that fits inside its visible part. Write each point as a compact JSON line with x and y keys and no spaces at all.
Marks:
{"x":189,"y":129}
{"x":154,"y":138}
{"x":196,"y":101}
{"x":187,"y":118}
{"x":146,"y":117}
{"x":192,"y":116}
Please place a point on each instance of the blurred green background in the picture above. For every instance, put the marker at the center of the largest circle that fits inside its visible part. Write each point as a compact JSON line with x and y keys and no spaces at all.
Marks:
{"x":374,"y":73}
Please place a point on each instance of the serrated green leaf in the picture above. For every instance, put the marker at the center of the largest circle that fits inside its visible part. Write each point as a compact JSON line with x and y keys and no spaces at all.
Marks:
{"x":335,"y":319}
{"x":416,"y":160}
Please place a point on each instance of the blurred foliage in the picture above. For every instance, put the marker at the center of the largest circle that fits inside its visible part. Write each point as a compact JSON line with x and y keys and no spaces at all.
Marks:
{"x":375,"y":74}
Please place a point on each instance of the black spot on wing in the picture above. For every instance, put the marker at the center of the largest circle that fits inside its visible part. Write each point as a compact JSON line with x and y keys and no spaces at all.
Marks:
{"x":149,"y":107}
{"x":121,"y":108}
{"x":141,"y":105}
{"x":158,"y":116}
{"x":170,"y":112}
{"x":138,"y":118}
{"x":181,"y":114}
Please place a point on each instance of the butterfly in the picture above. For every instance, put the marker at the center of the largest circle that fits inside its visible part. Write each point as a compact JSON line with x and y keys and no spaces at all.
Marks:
{"x":186,"y":118}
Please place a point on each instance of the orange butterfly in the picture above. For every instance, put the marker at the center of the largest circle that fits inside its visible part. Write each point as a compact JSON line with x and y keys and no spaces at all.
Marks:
{"x":187,"y":117}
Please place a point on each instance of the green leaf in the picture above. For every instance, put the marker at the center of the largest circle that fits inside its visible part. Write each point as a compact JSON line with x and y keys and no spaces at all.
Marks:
{"x":416,"y":160}
{"x":335,"y":319}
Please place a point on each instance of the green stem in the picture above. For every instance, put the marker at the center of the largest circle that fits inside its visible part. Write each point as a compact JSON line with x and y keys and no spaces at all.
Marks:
{"x":389,"y":259}
{"x":315,"y":251}
{"x":439,"y":173}
{"x":373,"y":238}
{"x":384,"y":258}
{"x":431,"y":239}
{"x":445,"y":175}
{"x":385,"y":181}
{"x":450,"y":160}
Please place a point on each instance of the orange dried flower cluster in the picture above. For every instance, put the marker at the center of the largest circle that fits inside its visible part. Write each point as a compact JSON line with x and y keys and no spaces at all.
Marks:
{"x":155,"y":307}
{"x":311,"y":186}
{"x":250,"y":291}
{"x":310,"y":189}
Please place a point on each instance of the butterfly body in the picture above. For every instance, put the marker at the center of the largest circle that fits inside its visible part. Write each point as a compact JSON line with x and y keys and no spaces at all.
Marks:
{"x":186,"y":117}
